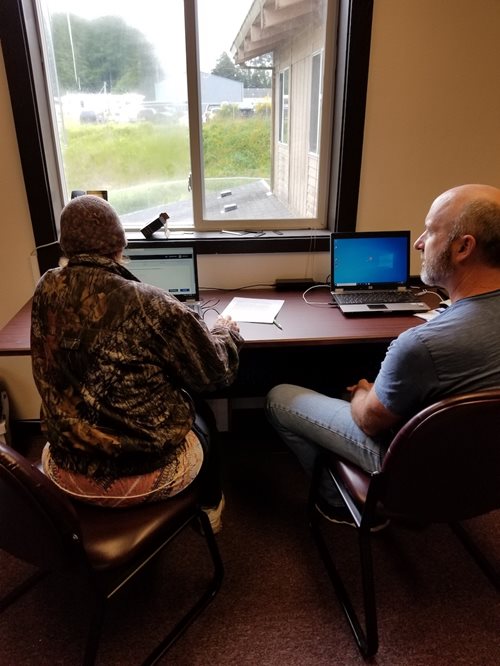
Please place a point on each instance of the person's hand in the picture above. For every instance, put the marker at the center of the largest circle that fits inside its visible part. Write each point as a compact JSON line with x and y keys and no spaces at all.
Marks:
{"x":362,"y":384}
{"x":227,"y":322}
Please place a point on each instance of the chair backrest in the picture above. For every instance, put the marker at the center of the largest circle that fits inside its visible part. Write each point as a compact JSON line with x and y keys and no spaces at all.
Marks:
{"x":444,"y":464}
{"x":37,"y":522}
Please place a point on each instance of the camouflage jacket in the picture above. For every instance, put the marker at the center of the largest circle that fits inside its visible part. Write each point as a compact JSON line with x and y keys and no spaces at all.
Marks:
{"x":114,"y":361}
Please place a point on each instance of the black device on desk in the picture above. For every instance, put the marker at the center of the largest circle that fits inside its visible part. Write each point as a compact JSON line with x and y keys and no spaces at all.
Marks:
{"x":370,"y":273}
{"x":155,"y":225}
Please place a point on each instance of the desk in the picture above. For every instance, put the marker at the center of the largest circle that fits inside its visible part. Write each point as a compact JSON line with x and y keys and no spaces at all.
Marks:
{"x":15,"y":335}
{"x":302,"y":325}
{"x":317,"y":346}
{"x":312,"y":324}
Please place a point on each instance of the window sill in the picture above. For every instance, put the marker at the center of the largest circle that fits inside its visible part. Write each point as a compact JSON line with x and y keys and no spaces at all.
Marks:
{"x":253,"y":242}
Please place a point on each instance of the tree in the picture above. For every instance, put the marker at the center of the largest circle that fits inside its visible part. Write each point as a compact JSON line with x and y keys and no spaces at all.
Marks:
{"x":254,"y":75}
{"x":104,"y":52}
{"x":225,"y":67}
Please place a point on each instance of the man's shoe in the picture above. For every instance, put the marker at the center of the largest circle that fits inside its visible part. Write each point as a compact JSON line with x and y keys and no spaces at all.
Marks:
{"x":341,"y":515}
{"x":214,"y":514}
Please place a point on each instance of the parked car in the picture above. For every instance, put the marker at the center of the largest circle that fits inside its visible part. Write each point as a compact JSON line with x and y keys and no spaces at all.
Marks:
{"x":157,"y":112}
{"x":246,"y":109}
{"x":210,"y":112}
{"x":88,"y":116}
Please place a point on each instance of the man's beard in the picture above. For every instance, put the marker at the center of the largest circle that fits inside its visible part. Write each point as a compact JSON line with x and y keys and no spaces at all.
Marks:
{"x":435,"y":271}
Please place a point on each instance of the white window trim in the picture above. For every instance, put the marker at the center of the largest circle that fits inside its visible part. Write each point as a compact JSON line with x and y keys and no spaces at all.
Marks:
{"x":319,"y":107}
{"x":285,"y":72}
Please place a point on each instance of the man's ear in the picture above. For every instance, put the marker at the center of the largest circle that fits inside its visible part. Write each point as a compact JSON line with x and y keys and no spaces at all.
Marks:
{"x":465,"y":247}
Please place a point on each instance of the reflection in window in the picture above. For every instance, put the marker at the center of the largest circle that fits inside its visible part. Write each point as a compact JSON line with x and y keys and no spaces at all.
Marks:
{"x":122,"y":94}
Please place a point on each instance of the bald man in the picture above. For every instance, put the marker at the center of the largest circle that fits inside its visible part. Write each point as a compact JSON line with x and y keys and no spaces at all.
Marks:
{"x":454,"y":353}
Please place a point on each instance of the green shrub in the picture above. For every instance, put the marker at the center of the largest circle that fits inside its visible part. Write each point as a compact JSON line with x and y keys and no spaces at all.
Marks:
{"x":144,"y":164}
{"x":240,"y":146}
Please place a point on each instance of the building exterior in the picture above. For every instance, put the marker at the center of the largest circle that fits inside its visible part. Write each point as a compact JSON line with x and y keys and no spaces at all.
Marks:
{"x":294,"y":33}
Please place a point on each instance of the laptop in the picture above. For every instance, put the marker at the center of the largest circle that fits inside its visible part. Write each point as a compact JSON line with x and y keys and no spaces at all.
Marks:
{"x":173,"y":269}
{"x":370,"y":273}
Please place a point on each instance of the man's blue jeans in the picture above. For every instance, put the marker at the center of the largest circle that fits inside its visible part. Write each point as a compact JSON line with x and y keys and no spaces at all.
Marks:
{"x":308,"y":422}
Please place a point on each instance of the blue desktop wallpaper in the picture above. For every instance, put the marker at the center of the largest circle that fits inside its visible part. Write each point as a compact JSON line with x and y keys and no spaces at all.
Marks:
{"x":369,"y":260}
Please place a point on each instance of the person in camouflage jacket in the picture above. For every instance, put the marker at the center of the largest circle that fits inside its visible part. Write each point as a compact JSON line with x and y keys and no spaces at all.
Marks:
{"x":115,"y":360}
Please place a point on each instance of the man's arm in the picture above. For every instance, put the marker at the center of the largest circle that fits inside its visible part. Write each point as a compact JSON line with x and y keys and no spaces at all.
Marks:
{"x":367,"y":410}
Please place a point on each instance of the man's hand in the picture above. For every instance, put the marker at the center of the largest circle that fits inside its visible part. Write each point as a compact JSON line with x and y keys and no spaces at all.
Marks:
{"x":363,"y":384}
{"x":367,"y":410}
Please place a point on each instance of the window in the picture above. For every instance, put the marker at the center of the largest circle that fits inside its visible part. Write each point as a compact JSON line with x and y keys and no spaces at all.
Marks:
{"x":283,"y":109}
{"x":261,"y":43}
{"x":188,"y":131}
{"x":315,"y":107}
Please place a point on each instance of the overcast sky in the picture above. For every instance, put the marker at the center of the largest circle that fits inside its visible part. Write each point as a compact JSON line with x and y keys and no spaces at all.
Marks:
{"x":162,"y":23}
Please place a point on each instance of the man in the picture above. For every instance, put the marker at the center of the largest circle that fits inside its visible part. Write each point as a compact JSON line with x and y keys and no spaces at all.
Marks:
{"x":116,"y":363}
{"x":454,"y":353}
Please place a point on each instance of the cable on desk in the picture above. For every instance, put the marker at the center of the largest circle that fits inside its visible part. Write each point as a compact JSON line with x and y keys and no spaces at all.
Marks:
{"x":427,"y":291}
{"x":317,"y":286}
{"x":248,"y":286}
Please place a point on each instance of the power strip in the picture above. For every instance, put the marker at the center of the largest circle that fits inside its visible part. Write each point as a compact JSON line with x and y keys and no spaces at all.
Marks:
{"x":293,"y":284}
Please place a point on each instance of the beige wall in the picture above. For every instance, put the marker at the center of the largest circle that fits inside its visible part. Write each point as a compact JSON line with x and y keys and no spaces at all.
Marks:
{"x":432,"y":122}
{"x":432,"y":118}
{"x":16,"y":239}
{"x":16,"y":245}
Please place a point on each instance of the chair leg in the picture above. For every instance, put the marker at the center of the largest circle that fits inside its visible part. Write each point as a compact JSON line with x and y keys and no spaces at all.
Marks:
{"x":95,"y":631}
{"x":367,"y":638}
{"x":365,"y":552}
{"x":205,"y":599}
{"x":478,"y":555}
{"x":100,"y":602}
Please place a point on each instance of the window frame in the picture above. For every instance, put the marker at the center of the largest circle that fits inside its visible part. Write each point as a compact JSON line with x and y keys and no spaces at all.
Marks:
{"x":17,"y":27}
{"x":284,"y":108}
{"x":315,"y":106}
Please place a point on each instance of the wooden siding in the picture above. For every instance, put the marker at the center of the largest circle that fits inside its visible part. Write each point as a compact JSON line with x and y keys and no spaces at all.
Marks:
{"x":296,"y":171}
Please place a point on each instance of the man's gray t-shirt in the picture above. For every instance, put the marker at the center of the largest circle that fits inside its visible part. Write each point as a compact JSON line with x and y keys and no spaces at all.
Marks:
{"x":456,"y":352}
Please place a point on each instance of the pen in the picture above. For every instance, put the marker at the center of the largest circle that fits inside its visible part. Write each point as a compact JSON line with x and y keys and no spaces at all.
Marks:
{"x":233,"y":233}
{"x":278,"y":325}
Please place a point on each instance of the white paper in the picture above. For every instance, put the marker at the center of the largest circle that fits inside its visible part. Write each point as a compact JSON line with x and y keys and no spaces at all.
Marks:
{"x":255,"y":310}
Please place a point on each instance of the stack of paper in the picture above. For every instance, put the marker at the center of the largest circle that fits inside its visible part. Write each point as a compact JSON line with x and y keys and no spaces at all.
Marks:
{"x":255,"y":310}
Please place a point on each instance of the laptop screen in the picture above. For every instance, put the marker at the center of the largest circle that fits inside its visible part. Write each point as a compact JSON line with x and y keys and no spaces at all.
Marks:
{"x":173,"y":269}
{"x":370,"y":259}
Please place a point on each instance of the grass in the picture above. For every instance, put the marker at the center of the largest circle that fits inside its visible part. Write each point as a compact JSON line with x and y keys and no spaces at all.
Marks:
{"x":144,"y":165}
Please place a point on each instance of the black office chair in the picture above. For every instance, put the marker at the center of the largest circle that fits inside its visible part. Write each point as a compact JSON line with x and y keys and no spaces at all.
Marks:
{"x":443,"y":466}
{"x":105,"y":547}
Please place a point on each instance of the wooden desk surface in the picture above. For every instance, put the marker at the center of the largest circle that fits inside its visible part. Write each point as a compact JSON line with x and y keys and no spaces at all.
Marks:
{"x":15,"y":335}
{"x":302,"y":324}
{"x":315,"y":323}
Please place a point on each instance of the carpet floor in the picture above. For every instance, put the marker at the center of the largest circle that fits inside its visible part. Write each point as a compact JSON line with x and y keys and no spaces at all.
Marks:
{"x":276,"y":605}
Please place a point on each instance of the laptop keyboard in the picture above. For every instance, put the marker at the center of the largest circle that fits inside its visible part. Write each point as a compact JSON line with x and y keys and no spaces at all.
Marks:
{"x":360,"y":297}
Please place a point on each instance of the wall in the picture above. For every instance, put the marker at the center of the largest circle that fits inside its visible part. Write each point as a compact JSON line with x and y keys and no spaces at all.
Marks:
{"x":17,"y":241}
{"x":16,"y":245}
{"x":431,"y":123}
{"x":432,"y":118}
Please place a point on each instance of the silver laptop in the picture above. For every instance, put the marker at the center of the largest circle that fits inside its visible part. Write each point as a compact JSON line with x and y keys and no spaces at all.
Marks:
{"x":173,"y":269}
{"x":370,"y":273}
